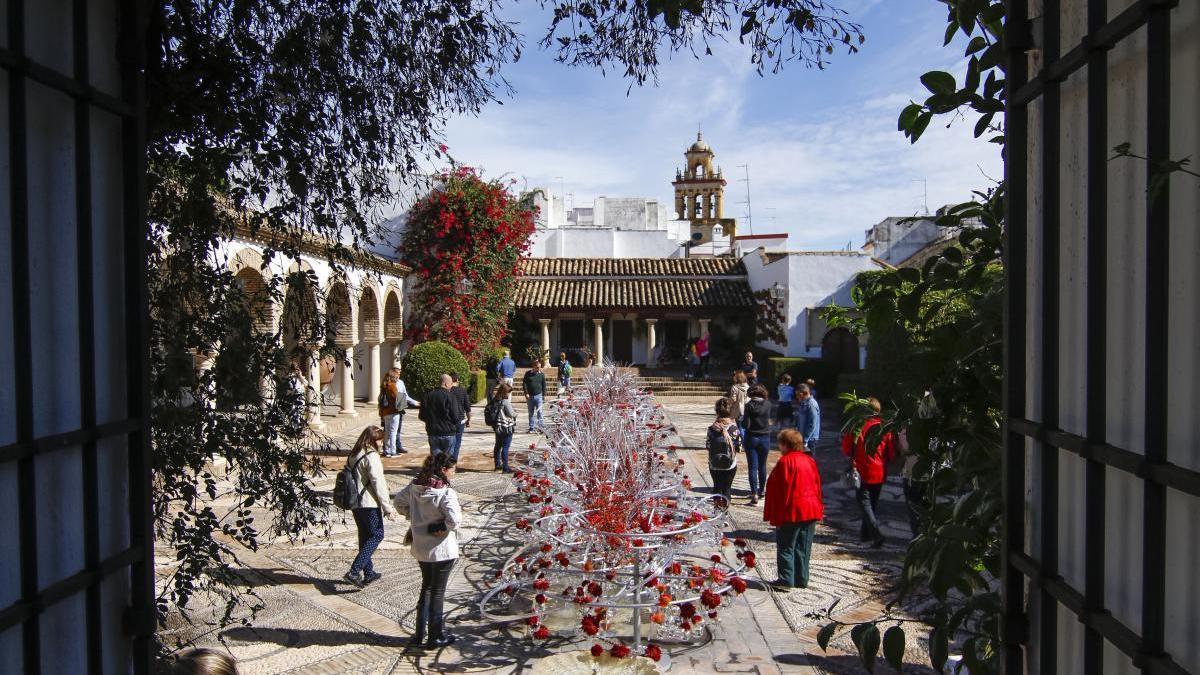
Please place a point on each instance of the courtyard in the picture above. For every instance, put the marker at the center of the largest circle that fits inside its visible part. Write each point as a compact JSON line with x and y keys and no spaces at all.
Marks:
{"x":313,"y":622}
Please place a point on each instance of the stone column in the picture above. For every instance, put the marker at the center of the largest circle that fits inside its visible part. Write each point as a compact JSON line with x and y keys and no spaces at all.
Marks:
{"x":691,"y":206}
{"x":704,"y":326}
{"x":346,"y":373}
{"x":720,"y":199}
{"x":680,"y":209}
{"x":599,"y":341}
{"x":545,"y":338}
{"x":313,"y":392}
{"x":203,"y":363}
{"x":706,"y":210}
{"x":650,"y":342}
{"x":373,"y":362}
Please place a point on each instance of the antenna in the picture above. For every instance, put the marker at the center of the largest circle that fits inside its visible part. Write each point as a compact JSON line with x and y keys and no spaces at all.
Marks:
{"x":925,"y":192}
{"x":749,"y":212}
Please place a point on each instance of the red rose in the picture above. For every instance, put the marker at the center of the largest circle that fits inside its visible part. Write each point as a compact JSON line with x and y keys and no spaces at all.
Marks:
{"x":541,"y":633}
{"x":653,"y":652}
{"x":620,"y":651}
{"x":595,"y":589}
{"x":687,"y":610}
{"x":531,"y":621}
{"x":749,"y":559}
{"x":738,"y":584}
{"x":597,"y":650}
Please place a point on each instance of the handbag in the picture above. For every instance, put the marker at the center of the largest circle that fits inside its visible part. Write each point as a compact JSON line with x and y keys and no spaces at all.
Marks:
{"x":851,"y":478}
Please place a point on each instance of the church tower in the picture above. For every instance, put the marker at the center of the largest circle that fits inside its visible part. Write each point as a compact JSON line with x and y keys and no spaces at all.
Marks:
{"x":700,"y":194}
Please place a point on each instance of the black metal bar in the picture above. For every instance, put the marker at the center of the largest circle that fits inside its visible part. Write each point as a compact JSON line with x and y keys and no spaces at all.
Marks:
{"x":28,"y":609}
{"x":1158,"y":258}
{"x":52,"y":443}
{"x":1051,"y":142}
{"x":15,"y":63}
{"x":131,"y":46}
{"x":23,"y":337}
{"x":84,"y":280}
{"x":1014,"y":624}
{"x":1096,"y":337}
{"x":1102,"y":38}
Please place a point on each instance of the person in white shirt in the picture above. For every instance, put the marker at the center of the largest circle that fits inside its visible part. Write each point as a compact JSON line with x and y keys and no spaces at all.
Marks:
{"x":373,"y":504}
{"x":434,"y":514}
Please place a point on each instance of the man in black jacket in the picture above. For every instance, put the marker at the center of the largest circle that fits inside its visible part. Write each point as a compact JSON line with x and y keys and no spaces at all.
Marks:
{"x":441,"y":414}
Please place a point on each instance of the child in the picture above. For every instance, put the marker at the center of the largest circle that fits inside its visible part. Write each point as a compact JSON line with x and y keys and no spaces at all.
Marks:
{"x":786,"y":394}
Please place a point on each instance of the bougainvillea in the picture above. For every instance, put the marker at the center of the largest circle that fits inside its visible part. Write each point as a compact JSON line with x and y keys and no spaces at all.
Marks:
{"x":464,"y":241}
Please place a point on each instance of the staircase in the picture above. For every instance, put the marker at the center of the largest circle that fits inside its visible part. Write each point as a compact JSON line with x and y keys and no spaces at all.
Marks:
{"x":661,"y":384}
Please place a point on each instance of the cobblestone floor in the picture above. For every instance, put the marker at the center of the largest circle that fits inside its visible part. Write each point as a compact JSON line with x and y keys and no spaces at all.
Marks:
{"x":313,"y":622}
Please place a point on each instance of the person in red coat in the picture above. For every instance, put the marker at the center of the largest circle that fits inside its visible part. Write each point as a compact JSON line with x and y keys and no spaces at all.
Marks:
{"x":872,"y":471}
{"x":794,"y":505}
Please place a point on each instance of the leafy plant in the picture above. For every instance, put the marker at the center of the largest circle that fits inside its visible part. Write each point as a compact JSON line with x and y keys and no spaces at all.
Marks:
{"x":464,"y":241}
{"x":424,"y":364}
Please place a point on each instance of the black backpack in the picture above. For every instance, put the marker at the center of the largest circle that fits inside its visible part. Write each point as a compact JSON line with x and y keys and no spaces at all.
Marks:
{"x":720,"y":453}
{"x":491,"y":413}
{"x":347,"y":490}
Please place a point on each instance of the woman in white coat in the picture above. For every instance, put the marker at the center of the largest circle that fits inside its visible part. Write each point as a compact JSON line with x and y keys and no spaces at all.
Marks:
{"x":373,"y":504}
{"x":433,"y":512}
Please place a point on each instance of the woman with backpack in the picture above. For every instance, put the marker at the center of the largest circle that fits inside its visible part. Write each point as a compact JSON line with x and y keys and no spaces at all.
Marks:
{"x":724,"y":442}
{"x":373,"y":503}
{"x":433,"y":511}
{"x":757,"y":424}
{"x":502,"y":418}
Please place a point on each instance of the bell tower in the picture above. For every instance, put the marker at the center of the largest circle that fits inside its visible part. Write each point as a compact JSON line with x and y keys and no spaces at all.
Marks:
{"x":700,"y":193}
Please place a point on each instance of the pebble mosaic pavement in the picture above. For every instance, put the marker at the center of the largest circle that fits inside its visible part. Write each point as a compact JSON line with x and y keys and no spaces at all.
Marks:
{"x":313,"y":622}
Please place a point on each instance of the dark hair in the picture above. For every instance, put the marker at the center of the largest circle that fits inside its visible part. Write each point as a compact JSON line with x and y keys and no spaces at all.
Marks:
{"x":785,"y":378}
{"x":369,"y":436}
{"x":501,"y":390}
{"x":454,"y":377}
{"x":802,"y":389}
{"x":758,"y":391}
{"x":435,"y":467}
{"x":724,"y":407}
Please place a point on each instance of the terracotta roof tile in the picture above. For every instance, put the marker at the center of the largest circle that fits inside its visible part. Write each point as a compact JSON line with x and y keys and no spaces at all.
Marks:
{"x":625,"y":293}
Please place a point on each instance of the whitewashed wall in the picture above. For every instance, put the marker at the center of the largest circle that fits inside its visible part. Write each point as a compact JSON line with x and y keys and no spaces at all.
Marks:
{"x":1125,"y":355}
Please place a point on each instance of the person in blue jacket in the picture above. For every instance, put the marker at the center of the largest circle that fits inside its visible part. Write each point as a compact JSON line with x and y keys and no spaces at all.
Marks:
{"x":506,"y":369}
{"x":808,"y":416}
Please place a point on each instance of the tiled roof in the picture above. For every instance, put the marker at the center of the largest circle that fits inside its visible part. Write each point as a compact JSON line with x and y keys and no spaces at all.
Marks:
{"x":633,"y":293}
{"x":631,"y":267}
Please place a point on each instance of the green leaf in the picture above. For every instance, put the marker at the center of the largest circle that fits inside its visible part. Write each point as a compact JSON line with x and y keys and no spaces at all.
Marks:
{"x":893,"y":647}
{"x":748,"y":24}
{"x":977,"y":43}
{"x":982,"y":125}
{"x":868,"y":649}
{"x":908,"y":116}
{"x":911,"y":275}
{"x":951,"y":29}
{"x":824,"y":635}
{"x":919,"y":126}
{"x":939,"y":82}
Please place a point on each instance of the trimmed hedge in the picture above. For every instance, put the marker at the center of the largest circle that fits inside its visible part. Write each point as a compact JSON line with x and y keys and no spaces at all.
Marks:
{"x":478,"y":388}
{"x":823,"y":373}
{"x":424,"y":364}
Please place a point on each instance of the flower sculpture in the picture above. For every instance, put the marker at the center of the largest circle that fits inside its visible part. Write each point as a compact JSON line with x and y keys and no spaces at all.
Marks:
{"x":614,"y":537}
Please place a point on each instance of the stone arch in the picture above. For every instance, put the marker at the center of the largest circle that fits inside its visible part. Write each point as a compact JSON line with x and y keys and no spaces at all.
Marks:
{"x":370,"y":321}
{"x":393,"y":316}
{"x":246,"y":258}
{"x":301,"y":325}
{"x":839,"y":347}
{"x":259,"y":302}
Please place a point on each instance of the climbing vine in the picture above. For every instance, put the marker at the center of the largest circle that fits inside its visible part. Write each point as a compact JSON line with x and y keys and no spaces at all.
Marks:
{"x":770,"y":320}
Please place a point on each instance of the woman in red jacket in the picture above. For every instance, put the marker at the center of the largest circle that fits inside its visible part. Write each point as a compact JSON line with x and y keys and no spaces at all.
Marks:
{"x":794,"y":506}
{"x":872,"y":472}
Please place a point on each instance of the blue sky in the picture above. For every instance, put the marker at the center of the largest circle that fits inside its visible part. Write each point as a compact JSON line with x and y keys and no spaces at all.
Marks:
{"x":825,"y":159}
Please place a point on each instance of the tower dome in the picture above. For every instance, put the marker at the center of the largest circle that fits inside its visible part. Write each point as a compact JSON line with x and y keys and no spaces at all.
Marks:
{"x":699,"y":145}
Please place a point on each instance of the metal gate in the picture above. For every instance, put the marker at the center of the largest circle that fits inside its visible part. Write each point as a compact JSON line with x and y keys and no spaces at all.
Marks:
{"x":76,"y":593}
{"x":1057,"y":471}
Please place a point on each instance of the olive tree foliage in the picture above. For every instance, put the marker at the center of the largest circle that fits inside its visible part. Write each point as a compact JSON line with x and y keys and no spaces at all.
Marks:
{"x":947,"y":384}
{"x":300,"y":123}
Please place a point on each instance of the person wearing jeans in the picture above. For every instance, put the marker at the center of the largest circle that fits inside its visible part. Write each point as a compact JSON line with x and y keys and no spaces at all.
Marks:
{"x":441,"y":413}
{"x":434,"y":513}
{"x":534,"y":385}
{"x":506,"y":424}
{"x":794,"y":506}
{"x":393,"y":399}
{"x":872,"y":470}
{"x":464,"y":403}
{"x":373,"y":504}
{"x":757,"y":420}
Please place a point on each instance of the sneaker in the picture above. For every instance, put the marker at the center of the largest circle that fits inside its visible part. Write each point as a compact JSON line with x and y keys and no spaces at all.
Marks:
{"x":370,"y":578}
{"x":444,"y":641}
{"x":353,"y":579}
{"x":780,"y":586}
{"x":401,"y":451}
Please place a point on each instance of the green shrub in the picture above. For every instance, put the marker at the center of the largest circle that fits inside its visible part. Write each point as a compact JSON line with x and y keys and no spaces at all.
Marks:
{"x":424,"y":364}
{"x":824,"y":374}
{"x":478,"y":388}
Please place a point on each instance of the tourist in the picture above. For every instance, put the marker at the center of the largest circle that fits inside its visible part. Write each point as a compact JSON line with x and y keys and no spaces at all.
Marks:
{"x":872,"y":471}
{"x":786,"y":394}
{"x":434,"y":514}
{"x":534,"y":386}
{"x":723,"y":443}
{"x":738,"y":392}
{"x":464,"y":403}
{"x":373,"y":504}
{"x":693,"y":360}
{"x":812,"y":387}
{"x":205,"y":661}
{"x":393,"y":399}
{"x":808,"y":416}
{"x":702,"y":352}
{"x":757,"y":425}
{"x":506,"y":368}
{"x":794,"y":506}
{"x":750,"y":368}
{"x":564,"y":373}
{"x":506,"y":425}
{"x":441,"y":414}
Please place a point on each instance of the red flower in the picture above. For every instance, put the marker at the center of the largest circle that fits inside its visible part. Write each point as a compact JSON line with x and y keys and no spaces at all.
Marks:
{"x":597,"y":650}
{"x":541,"y":633}
{"x":749,"y":559}
{"x":531,"y":621}
{"x":687,"y":610}
{"x":620,"y":651}
{"x":595,"y":589}
{"x":653,"y":652}
{"x":589,"y":625}
{"x":738,"y":584}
